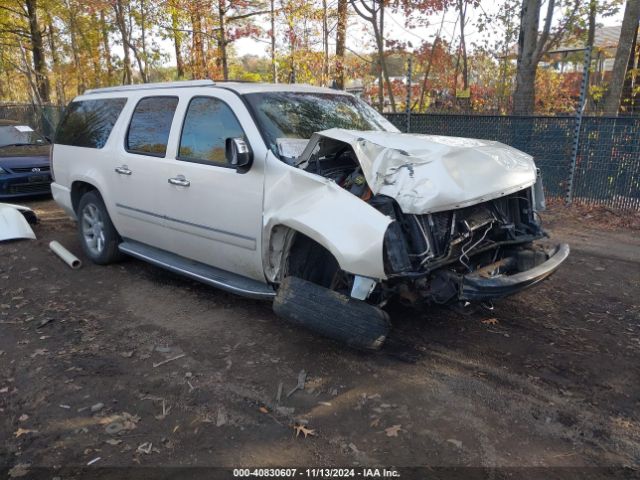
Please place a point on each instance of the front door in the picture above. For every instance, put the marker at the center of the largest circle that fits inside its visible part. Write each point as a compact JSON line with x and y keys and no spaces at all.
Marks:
{"x":213,"y":212}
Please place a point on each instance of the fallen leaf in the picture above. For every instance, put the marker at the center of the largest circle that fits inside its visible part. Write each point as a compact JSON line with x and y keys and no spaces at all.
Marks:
{"x":39,"y":351}
{"x":145,"y":448}
{"x":23,"y":431}
{"x":455,"y":442}
{"x":490,"y":321}
{"x":393,"y":431}
{"x":304,"y":430}
{"x":19,"y":470}
{"x":24,"y":417}
{"x":113,"y":441}
{"x":375,"y":422}
{"x":263,"y":410}
{"x":4,"y":389}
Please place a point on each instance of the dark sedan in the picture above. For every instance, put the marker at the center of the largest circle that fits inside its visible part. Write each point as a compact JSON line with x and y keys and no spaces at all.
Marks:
{"x":24,"y":161}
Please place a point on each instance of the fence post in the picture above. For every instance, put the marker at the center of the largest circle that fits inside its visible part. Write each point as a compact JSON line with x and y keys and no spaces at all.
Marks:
{"x":576,"y":133}
{"x":407,"y":108}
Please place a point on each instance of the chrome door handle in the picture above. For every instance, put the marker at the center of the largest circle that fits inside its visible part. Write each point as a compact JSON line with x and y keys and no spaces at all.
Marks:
{"x":180,"y":181}
{"x":123,"y":170}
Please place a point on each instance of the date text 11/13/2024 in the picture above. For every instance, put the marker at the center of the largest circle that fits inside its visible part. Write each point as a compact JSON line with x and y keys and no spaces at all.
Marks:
{"x":316,"y":473}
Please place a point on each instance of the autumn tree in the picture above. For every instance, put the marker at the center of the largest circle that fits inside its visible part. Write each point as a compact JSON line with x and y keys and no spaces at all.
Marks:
{"x":372,"y":11}
{"x":21,"y":25}
{"x":533,"y":44}
{"x":234,"y":22}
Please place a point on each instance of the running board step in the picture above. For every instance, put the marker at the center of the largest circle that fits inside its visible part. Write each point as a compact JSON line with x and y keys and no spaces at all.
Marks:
{"x":230,"y":282}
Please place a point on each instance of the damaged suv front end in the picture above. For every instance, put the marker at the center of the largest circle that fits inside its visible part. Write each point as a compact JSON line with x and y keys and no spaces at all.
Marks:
{"x":425,"y":218}
{"x":464,"y":212}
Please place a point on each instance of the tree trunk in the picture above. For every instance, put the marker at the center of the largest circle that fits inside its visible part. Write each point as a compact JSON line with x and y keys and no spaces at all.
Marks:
{"x":75,"y":50}
{"x":222,"y":39}
{"x":177,"y":42}
{"x":383,"y":60}
{"x":106,"y":49}
{"x":325,"y":45}
{"x":274,"y":65}
{"x":427,"y":69}
{"x":55,"y":57}
{"x":341,"y":35}
{"x":199,"y":66}
{"x":37,"y":48}
{"x":143,"y":59}
{"x":527,"y":66}
{"x":463,"y":45}
{"x":591,"y":37}
{"x":629,"y":26}
{"x":127,"y":77}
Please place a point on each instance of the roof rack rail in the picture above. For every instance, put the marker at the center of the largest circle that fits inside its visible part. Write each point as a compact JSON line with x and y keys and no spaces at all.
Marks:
{"x":148,"y":86}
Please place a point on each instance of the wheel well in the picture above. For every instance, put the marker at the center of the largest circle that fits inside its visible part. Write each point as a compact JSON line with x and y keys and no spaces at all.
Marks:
{"x":309,"y":260}
{"x":78,"y":189}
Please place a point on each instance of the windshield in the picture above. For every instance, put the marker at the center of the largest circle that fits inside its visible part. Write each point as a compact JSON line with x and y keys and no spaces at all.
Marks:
{"x":20,"y":135}
{"x":300,"y":114}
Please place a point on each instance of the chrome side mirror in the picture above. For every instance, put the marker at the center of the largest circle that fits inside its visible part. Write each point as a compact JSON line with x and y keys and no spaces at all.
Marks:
{"x":238,"y":154}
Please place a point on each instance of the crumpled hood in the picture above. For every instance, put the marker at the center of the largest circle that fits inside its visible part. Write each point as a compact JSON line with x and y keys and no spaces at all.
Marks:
{"x":430,"y":173}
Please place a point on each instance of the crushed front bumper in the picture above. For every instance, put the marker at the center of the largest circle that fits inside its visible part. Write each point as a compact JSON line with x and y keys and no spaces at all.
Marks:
{"x":477,"y":287}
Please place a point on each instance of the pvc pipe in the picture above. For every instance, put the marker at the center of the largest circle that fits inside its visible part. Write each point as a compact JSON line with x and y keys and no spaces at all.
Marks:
{"x":66,"y":256}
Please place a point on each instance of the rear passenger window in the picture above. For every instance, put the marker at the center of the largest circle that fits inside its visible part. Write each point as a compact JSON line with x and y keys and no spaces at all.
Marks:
{"x":150,"y":126}
{"x":207,"y":124}
{"x":88,"y":123}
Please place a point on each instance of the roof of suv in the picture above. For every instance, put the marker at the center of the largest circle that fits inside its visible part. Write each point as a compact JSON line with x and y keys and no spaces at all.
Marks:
{"x":238,"y":87}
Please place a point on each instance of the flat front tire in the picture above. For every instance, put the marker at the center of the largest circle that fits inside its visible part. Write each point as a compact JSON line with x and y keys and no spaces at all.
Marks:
{"x":98,"y":236}
{"x":331,"y":314}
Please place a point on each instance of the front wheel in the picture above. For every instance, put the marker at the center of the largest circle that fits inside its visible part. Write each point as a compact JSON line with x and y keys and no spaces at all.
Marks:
{"x":98,"y":236}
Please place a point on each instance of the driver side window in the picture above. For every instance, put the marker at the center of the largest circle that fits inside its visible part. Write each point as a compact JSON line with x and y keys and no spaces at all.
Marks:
{"x":207,"y":124}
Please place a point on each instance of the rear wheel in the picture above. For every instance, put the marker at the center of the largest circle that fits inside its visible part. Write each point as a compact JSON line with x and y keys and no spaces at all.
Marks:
{"x":98,"y":236}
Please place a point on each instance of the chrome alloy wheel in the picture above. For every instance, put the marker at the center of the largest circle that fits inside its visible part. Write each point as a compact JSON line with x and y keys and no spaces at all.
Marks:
{"x":93,"y":229}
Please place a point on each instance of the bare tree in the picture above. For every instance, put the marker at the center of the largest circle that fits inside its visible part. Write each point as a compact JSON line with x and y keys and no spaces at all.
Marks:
{"x":627,"y":32}
{"x":374,"y":14}
{"x":121,"y":23}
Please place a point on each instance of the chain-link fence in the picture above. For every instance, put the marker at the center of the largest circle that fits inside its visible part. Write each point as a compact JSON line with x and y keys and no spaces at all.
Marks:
{"x":41,"y":118}
{"x":607,"y":163}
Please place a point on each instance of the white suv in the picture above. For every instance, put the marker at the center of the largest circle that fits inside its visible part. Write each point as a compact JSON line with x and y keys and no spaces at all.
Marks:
{"x":302,"y":194}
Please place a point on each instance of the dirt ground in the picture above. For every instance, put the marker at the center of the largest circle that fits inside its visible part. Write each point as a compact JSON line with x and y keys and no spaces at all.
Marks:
{"x":550,"y":377}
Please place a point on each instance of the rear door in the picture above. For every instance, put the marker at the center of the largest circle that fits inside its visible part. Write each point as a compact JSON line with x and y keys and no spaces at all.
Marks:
{"x":140,"y":170}
{"x":213,"y":212}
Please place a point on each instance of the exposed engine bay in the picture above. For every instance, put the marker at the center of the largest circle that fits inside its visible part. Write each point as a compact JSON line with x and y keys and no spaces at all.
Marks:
{"x":434,"y":257}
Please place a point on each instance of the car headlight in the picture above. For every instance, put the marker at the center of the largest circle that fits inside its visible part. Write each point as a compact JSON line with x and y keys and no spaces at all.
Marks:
{"x":3,"y":171}
{"x":537,"y":191}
